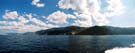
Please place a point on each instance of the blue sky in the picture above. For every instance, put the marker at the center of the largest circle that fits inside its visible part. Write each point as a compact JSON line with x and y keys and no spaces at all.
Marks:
{"x":127,"y":18}
{"x":25,"y":6}
{"x":34,"y":15}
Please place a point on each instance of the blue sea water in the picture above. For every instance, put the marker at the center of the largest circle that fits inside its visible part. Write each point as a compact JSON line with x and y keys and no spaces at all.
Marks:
{"x":62,"y":43}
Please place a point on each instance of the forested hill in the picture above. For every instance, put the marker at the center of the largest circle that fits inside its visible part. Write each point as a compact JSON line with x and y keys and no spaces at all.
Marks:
{"x":95,"y":30}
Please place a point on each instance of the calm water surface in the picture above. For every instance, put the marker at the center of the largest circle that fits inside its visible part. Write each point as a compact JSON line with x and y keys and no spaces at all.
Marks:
{"x":62,"y":43}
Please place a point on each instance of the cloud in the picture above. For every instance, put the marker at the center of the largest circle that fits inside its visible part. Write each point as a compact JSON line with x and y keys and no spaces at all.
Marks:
{"x":29,"y":28}
{"x":22,"y":20}
{"x":22,"y":23}
{"x":81,"y":23}
{"x":36,"y":21}
{"x":90,"y":10}
{"x":11,"y":23}
{"x":20,"y":29}
{"x":115,"y":7}
{"x":121,"y":50}
{"x":85,"y":13}
{"x":37,"y":3}
{"x":59,"y":17}
{"x":10,"y":15}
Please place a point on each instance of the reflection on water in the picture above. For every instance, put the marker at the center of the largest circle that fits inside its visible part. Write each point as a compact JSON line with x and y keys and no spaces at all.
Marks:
{"x":98,"y":44}
{"x":62,"y":44}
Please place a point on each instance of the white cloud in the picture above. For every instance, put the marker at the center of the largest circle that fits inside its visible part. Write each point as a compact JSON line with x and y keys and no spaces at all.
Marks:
{"x":59,"y":17}
{"x":44,"y":17}
{"x":10,"y":23}
{"x":22,"y":20}
{"x":10,"y":15}
{"x":23,"y":23}
{"x":71,"y":16}
{"x":91,"y":10}
{"x":20,"y":29}
{"x":37,"y":3}
{"x":36,"y":21}
{"x":100,"y":20}
{"x":115,"y":7}
{"x":81,"y":6}
{"x":40,"y":5}
{"x":29,"y":28}
{"x":81,"y":23}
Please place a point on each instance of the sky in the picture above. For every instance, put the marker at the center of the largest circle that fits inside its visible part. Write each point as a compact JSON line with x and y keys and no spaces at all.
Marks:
{"x":19,"y":16}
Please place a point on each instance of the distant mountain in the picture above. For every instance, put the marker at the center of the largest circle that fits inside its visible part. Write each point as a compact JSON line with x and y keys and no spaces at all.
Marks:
{"x":107,"y":30}
{"x":61,"y":31}
{"x":95,"y":30}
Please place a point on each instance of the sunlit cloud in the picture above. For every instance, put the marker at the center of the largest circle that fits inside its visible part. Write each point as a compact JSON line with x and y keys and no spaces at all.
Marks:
{"x":22,"y":23}
{"x":36,"y":21}
{"x":59,"y":17}
{"x":10,"y":15}
{"x":115,"y":7}
{"x":90,"y":10}
{"x":37,"y":3}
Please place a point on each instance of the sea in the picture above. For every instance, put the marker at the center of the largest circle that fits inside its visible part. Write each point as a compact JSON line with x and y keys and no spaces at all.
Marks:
{"x":65,"y":43}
